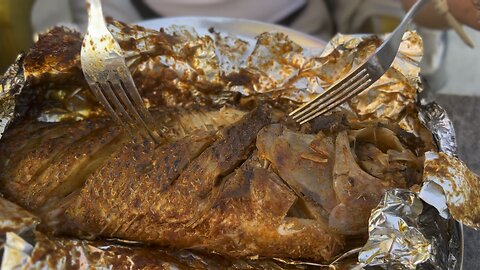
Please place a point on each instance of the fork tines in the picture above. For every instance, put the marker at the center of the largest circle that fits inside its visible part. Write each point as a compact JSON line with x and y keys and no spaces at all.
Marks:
{"x":108,"y":76}
{"x":126,"y":107}
{"x":354,"y":83}
{"x":362,"y":77}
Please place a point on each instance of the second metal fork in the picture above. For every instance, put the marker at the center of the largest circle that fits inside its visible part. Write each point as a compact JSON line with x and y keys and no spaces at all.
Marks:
{"x":361,"y":78}
{"x":110,"y":80}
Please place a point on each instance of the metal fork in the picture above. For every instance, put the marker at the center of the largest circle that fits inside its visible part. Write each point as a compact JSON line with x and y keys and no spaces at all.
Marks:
{"x":110,"y":80}
{"x":361,"y":78}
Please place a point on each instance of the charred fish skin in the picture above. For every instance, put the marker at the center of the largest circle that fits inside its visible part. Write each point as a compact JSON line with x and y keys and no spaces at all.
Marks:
{"x":208,"y":188}
{"x":37,"y":158}
{"x":249,"y":217}
{"x":223,"y":201}
{"x":23,"y":161}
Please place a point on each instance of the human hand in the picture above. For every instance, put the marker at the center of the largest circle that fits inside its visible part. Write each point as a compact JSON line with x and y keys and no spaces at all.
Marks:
{"x":465,"y":11}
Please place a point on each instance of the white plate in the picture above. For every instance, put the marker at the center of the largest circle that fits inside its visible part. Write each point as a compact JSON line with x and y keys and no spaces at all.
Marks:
{"x":242,"y":28}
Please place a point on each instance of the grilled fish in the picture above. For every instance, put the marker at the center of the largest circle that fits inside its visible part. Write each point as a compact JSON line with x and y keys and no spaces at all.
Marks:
{"x":231,"y":182}
{"x":235,"y":177}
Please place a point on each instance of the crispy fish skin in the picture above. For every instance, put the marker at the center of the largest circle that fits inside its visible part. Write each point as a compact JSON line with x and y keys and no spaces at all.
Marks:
{"x":222,"y":201}
{"x":36,"y":159}
{"x":234,"y":183}
{"x":251,"y":216}
{"x":25,"y":156}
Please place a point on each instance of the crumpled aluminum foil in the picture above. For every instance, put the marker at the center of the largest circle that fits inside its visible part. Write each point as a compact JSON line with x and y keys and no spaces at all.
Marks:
{"x":448,"y":184}
{"x":215,"y":68}
{"x":388,"y":97}
{"x":398,"y":237}
{"x":10,"y":85}
{"x":459,"y":186}
{"x":394,"y":232}
{"x":407,"y":233}
{"x":298,"y":79}
{"x":14,"y":218}
{"x":64,"y":253}
{"x":436,"y":119}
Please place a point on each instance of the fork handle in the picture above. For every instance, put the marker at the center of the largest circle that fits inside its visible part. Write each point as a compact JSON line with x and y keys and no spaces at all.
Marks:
{"x":394,"y":39}
{"x":95,"y":15}
{"x":412,"y":12}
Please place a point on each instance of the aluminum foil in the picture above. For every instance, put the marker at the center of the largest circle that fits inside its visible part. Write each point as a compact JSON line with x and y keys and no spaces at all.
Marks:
{"x":11,"y":84}
{"x":216,"y":68}
{"x":436,"y":119}
{"x":274,"y":67}
{"x":449,"y":187}
{"x":448,"y":183}
{"x":407,"y":233}
{"x":14,"y":219}
{"x":459,"y":186}
{"x":394,"y":232}
{"x":63,"y":253}
{"x":395,"y":90}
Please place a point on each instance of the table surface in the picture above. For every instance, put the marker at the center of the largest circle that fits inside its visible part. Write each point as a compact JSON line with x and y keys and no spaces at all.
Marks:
{"x":465,"y":114}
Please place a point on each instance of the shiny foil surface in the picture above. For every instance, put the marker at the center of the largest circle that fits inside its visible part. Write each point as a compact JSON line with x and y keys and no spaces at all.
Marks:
{"x":394,"y":233}
{"x":10,"y":85}
{"x":177,"y":66}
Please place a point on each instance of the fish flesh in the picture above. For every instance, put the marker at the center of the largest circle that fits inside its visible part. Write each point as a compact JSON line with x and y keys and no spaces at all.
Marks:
{"x":227,"y":181}
{"x":235,"y":176}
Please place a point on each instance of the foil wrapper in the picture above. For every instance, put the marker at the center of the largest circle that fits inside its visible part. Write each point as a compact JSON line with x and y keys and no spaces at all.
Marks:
{"x":14,"y":219}
{"x":407,"y":233}
{"x":436,"y":119}
{"x":63,"y":253}
{"x":459,"y":186}
{"x":215,"y":69}
{"x":394,"y":233}
{"x":448,"y":183}
{"x":11,"y":84}
{"x":177,"y":66}
{"x":388,"y":97}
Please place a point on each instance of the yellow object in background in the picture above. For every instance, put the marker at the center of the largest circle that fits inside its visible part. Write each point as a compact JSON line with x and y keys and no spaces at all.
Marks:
{"x":380,"y":24}
{"x":15,"y":29}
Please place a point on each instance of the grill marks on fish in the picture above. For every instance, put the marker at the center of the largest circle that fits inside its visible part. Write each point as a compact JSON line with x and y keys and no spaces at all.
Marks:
{"x":53,"y":159}
{"x":24,"y":165}
{"x":227,"y":182}
{"x":187,"y":197}
{"x":66,"y":167}
{"x":202,"y":175}
{"x":26,"y":139}
{"x":134,"y":195}
{"x":222,"y":201}
{"x":179,"y":154}
{"x":80,"y":163}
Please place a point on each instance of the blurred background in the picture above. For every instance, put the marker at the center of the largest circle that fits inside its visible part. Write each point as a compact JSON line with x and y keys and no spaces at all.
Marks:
{"x":451,"y":68}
